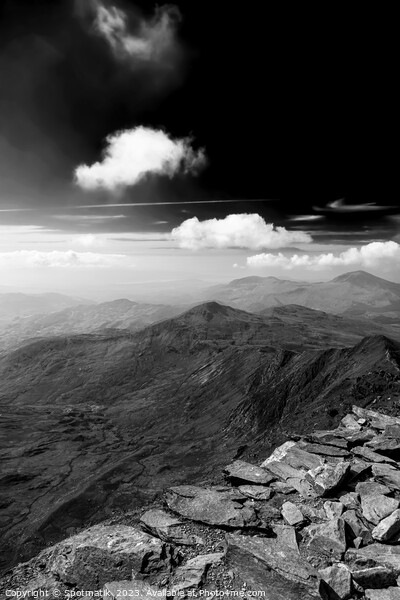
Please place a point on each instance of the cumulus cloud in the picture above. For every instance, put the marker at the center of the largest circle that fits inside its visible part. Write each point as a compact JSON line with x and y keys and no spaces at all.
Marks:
{"x":370,"y":255}
{"x":57,"y":259}
{"x":132,"y":154}
{"x":235,"y":231}
{"x":137,"y":39}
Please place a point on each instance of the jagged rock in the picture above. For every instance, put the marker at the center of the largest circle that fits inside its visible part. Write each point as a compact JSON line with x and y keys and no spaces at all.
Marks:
{"x":375,"y":419}
{"x":105,"y":553}
{"x":292,"y":514}
{"x":350,"y":423}
{"x":371,"y":488}
{"x":328,"y":438}
{"x":191,"y":575}
{"x":293,"y":477}
{"x":373,"y":577}
{"x":349,"y":499}
{"x":387,"y":446}
{"x":328,"y":477}
{"x":277,"y":556}
{"x":312,"y":513}
{"x":210,"y":506}
{"x":388,"y":527}
{"x":333,"y":509}
{"x":281,"y":487}
{"x":243,"y":472}
{"x":387,"y":475}
{"x":324,"y":449}
{"x":278,"y":453}
{"x":380,"y":554}
{"x":286,"y":536}
{"x":257,"y":492}
{"x":357,"y":528}
{"x":130,"y":589}
{"x":327,"y":538}
{"x":268,"y":513}
{"x":376,"y":507}
{"x":392,"y":431}
{"x":338,"y":579}
{"x":300,"y":459}
{"x":392,"y":593}
{"x":357,"y":437}
{"x":167,"y":528}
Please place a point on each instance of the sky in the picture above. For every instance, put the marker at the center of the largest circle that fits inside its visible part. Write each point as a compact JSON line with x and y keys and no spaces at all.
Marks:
{"x":144,"y":143}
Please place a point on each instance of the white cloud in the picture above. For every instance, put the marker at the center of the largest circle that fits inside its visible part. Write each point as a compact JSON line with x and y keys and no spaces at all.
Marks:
{"x":57,"y":259}
{"x":132,"y":154}
{"x":235,"y":231}
{"x":139,"y":39}
{"x":370,"y":255}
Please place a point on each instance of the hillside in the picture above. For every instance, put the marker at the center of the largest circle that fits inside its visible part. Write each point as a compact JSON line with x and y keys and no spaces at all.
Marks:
{"x":357,"y":292}
{"x":13,"y":305}
{"x":131,"y":413}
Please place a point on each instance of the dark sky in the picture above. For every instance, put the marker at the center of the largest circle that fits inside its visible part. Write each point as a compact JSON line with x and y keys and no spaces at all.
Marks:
{"x":296,"y":105}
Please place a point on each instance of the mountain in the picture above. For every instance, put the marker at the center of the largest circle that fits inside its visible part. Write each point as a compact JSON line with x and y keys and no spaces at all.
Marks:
{"x":97,"y":425}
{"x":14,"y":305}
{"x":357,"y":293}
{"x":117,"y":314}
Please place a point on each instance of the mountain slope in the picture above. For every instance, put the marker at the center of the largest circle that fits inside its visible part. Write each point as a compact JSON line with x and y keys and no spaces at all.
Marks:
{"x":357,"y":292}
{"x":96,"y":424}
{"x":14,"y":305}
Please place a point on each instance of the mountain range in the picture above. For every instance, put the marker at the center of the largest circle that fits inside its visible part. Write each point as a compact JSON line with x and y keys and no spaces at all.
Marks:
{"x":97,"y":424}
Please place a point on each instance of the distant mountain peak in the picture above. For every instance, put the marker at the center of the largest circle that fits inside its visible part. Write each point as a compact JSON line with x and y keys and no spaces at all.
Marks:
{"x":359,"y":278}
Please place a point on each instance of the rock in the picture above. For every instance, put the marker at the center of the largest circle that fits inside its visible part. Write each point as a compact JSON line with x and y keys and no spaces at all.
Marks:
{"x":312,"y":513}
{"x":380,"y":554}
{"x":337,"y":578}
{"x":376,"y":507}
{"x":327,"y":538}
{"x":356,"y":527}
{"x":292,"y":514}
{"x":328,"y":477}
{"x":286,"y":536}
{"x":333,"y":509}
{"x":375,"y":419}
{"x":281,"y":487}
{"x":191,"y":575}
{"x":129,"y":589}
{"x":386,"y":446}
{"x":300,"y":459}
{"x":293,"y":477}
{"x":268,"y":513}
{"x":211,"y":506}
{"x":349,"y":499}
{"x":392,"y":593}
{"x":257,"y":492}
{"x":392,"y":431}
{"x":106,"y":553}
{"x":278,"y":453}
{"x":358,"y":437}
{"x":371,"y":488}
{"x":160,"y":524}
{"x":242,"y":472}
{"x":357,"y":468}
{"x":373,"y":577}
{"x":388,"y":527}
{"x":277,"y":556}
{"x":350,"y":423}
{"x":387,"y":475}
{"x":327,"y":438}
{"x":323,"y":449}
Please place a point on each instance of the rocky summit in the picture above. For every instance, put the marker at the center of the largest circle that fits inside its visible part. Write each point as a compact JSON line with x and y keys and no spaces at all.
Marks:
{"x":305,"y":523}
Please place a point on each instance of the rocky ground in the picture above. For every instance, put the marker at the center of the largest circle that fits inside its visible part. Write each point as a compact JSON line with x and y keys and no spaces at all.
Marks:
{"x":319,"y":518}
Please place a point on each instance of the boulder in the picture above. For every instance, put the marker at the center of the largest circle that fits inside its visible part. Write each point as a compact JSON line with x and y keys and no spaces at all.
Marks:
{"x":375,"y":419}
{"x":388,"y":527}
{"x":371,"y":488}
{"x":380,"y":554}
{"x":392,"y":431}
{"x":323,"y":449}
{"x":192,"y":574}
{"x":387,"y":475}
{"x":356,"y":528}
{"x":350,"y":423}
{"x":376,"y":507}
{"x":213,"y":506}
{"x":169,"y":529}
{"x":337,"y":579}
{"x":328,"y":438}
{"x":333,"y":509}
{"x":293,"y":477}
{"x":328,"y":477}
{"x":278,"y":453}
{"x":300,"y":459}
{"x":257,"y":492}
{"x":387,"y":446}
{"x":106,"y":553}
{"x":242,"y":472}
{"x":328,"y":538}
{"x":349,"y":499}
{"x":281,"y":487}
{"x":373,"y":577}
{"x":370,"y":455}
{"x":292,"y":514}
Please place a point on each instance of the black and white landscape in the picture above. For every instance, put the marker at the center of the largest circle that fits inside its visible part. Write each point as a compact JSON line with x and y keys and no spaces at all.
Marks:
{"x":199,"y":303}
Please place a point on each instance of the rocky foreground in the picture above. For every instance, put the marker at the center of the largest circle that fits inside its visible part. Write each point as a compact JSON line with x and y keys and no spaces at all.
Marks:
{"x":319,"y":518}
